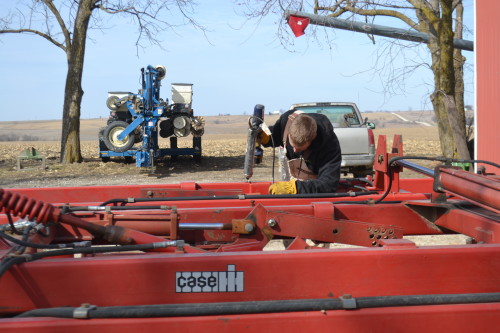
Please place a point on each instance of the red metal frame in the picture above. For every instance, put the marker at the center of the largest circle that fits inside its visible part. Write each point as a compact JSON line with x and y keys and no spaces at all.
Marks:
{"x":443,"y":318}
{"x":237,"y":225}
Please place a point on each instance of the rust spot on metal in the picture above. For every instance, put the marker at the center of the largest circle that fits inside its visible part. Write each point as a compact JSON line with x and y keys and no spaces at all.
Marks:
{"x":268,"y":233}
{"x":239,"y":226}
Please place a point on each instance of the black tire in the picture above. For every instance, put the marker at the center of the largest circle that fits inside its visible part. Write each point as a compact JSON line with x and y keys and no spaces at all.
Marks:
{"x":100,"y":134}
{"x":110,"y":137}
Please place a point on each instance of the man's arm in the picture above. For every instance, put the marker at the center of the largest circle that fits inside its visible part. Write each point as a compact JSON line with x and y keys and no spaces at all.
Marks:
{"x":277,"y":131}
{"x":328,"y":178}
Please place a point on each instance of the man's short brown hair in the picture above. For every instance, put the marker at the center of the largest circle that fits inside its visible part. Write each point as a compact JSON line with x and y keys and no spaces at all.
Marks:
{"x":303,"y":129}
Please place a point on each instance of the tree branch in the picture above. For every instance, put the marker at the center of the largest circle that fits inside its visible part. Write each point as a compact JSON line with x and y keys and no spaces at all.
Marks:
{"x":343,"y":6}
{"x":427,"y":12}
{"x":62,"y":25}
{"x":36,"y":32}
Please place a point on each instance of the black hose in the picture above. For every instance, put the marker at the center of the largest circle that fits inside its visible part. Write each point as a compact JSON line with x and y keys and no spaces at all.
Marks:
{"x":445,"y":160}
{"x":26,"y":234}
{"x":43,"y":246}
{"x":10,"y":261}
{"x":348,"y":181}
{"x":11,"y":223}
{"x":94,"y":208}
{"x":240,"y":197}
{"x":253,"y":307}
{"x":366,"y":202}
{"x":391,"y":171}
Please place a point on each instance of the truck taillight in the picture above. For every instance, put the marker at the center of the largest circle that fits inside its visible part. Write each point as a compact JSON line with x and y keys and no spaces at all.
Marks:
{"x":371,"y":137}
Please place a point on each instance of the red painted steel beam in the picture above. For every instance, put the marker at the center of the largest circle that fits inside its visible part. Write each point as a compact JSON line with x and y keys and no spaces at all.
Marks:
{"x":326,"y":230}
{"x":438,"y":318}
{"x":323,"y":221}
{"x":299,"y":221}
{"x":136,"y":279}
{"x":93,"y":195}
{"x":96,"y":194}
{"x":481,"y":228}
{"x":382,"y":178}
{"x":250,"y":203}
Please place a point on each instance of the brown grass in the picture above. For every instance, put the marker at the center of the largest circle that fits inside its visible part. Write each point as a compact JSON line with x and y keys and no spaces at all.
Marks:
{"x":223,"y":153}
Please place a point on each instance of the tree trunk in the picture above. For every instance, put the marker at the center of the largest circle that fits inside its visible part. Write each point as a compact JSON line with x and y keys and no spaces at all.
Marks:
{"x":443,"y":98}
{"x":70,"y":140}
{"x":73,"y":93}
{"x":459,"y":61}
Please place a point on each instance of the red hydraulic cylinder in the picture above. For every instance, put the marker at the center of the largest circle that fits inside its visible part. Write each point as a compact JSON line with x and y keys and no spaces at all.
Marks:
{"x":484,"y":191}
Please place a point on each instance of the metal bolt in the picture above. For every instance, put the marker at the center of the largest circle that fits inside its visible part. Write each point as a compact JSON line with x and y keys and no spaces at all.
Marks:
{"x":272,"y":223}
{"x":248,"y":227}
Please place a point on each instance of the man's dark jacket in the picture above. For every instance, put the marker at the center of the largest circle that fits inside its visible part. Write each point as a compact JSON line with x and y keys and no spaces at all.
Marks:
{"x":323,"y":155}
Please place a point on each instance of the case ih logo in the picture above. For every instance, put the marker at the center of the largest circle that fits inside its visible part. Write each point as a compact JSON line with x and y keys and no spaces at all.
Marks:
{"x":210,"y":282}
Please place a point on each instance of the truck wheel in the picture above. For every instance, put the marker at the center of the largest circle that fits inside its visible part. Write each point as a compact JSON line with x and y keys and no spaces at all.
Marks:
{"x":110,"y":137}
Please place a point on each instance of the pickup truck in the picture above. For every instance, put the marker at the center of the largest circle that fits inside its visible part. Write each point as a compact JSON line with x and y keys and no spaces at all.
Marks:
{"x":355,"y":135}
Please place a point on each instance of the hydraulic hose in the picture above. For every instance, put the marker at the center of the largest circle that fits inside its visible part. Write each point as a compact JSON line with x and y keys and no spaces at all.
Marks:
{"x":25,"y":243}
{"x":105,"y":208}
{"x":241,"y":197}
{"x":254,"y":307}
{"x":10,"y":261}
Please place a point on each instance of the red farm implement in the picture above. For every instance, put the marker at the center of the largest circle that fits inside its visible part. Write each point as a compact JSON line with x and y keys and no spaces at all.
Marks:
{"x":195,"y":256}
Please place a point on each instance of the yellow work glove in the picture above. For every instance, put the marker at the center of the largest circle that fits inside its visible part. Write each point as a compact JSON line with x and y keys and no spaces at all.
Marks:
{"x":288,"y":187}
{"x":262,"y":138}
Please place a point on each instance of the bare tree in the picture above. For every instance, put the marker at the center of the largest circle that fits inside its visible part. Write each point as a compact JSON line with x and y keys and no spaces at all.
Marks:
{"x":442,"y":20}
{"x":65,"y":24}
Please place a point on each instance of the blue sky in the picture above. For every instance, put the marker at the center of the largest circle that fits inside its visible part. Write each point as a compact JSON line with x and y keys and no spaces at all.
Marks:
{"x":239,"y":64}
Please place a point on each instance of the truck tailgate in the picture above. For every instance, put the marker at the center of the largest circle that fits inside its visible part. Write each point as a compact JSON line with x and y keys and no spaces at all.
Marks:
{"x":353,"y":140}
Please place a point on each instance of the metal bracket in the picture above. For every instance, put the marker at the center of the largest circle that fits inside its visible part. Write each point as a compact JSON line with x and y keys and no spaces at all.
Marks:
{"x":348,"y":302}
{"x":83,"y":311}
